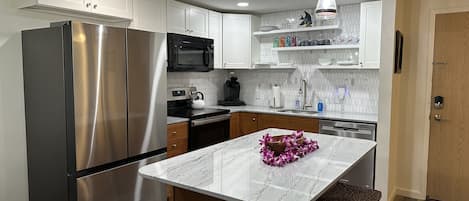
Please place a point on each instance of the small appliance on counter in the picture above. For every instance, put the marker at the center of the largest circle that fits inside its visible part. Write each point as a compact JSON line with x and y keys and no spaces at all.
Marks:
{"x":232,"y":90}
{"x":206,"y":126}
{"x":198,"y":101}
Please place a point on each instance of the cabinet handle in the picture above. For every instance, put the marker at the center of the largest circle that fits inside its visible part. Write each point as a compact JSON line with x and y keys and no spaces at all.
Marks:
{"x":253,"y":119}
{"x":174,"y":145}
{"x":174,"y":132}
{"x":95,"y":6}
{"x":88,"y":5}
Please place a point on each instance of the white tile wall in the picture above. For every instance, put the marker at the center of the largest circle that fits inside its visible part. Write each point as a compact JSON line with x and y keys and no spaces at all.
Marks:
{"x":211,"y":83}
{"x":256,"y":85}
{"x":363,"y":86}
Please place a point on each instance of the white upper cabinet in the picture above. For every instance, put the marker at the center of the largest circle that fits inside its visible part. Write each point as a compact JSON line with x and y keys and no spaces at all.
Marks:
{"x":370,"y":34}
{"x":186,"y":19}
{"x":121,"y":9}
{"x":149,"y":15}
{"x":240,"y":48}
{"x":215,"y":30}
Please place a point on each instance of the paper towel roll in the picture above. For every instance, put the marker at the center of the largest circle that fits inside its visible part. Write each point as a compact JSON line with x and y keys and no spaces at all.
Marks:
{"x":276,"y":98}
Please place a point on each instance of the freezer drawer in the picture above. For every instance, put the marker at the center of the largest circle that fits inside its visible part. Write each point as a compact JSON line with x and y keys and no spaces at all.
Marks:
{"x":121,"y":184}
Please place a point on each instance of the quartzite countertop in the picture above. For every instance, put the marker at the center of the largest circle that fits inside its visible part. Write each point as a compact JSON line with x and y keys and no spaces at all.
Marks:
{"x":355,"y":117}
{"x":233,"y":170}
{"x":175,"y":120}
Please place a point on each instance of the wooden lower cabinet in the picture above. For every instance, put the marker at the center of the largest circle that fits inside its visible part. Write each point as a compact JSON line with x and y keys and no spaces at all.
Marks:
{"x":247,"y":123}
{"x":178,"y":137}
{"x":186,"y":195}
{"x":243,"y":123}
{"x":288,"y":122}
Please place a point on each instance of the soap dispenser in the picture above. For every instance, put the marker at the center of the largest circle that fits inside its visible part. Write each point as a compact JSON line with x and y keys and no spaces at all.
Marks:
{"x":298,"y":102}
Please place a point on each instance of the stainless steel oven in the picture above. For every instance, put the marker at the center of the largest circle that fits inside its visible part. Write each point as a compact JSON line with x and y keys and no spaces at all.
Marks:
{"x":189,"y":54}
{"x":209,"y":131}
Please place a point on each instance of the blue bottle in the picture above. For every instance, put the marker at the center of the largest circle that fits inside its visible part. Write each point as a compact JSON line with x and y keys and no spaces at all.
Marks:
{"x":320,"y":106}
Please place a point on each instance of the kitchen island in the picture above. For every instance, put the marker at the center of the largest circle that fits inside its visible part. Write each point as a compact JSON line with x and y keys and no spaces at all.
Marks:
{"x":233,"y":170}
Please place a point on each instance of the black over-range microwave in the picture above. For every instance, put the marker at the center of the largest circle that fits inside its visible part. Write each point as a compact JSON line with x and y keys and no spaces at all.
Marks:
{"x":189,"y":54}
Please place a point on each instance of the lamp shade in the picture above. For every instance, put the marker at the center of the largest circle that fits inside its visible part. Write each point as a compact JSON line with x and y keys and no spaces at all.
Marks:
{"x":326,"y":9}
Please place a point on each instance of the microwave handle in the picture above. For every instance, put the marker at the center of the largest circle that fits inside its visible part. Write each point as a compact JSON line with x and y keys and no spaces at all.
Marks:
{"x":207,"y":56}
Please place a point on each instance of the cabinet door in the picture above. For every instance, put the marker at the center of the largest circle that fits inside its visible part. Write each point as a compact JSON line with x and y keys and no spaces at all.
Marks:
{"x":198,"y":22}
{"x":116,"y":8}
{"x":288,"y":122}
{"x":236,"y":41}
{"x":149,"y":15}
{"x":234,"y":126}
{"x":215,"y":29}
{"x":370,"y":34}
{"x":79,"y":5}
{"x":247,"y":123}
{"x":177,"y":139}
{"x":176,"y":17}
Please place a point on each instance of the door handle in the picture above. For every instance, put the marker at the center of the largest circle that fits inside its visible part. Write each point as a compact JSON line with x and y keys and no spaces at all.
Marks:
{"x":437,"y":117}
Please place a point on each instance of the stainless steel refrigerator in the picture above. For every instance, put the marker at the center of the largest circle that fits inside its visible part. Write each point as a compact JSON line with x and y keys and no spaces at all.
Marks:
{"x":95,"y":100}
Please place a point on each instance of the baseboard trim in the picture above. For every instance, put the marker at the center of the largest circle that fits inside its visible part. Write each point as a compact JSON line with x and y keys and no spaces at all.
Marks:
{"x":409,"y":193}
{"x":393,"y":194}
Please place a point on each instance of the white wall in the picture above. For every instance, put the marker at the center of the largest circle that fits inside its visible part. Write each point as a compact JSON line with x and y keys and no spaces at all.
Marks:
{"x":13,"y":167}
{"x":412,"y":122}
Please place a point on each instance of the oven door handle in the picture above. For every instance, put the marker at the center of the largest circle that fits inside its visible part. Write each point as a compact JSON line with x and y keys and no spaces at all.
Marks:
{"x":205,"y":121}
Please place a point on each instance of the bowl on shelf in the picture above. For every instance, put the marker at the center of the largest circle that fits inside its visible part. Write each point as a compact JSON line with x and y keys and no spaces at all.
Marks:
{"x":268,"y":28}
{"x":325,"y":61}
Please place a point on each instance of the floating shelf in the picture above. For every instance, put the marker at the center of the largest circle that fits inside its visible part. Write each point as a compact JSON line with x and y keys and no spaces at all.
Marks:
{"x":318,"y":47}
{"x":306,"y":29}
{"x":344,"y":67}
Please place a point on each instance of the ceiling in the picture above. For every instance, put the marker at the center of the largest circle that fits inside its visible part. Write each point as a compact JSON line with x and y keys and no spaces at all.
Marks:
{"x":261,"y":6}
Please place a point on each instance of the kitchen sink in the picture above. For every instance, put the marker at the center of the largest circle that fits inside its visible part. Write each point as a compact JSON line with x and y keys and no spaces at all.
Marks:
{"x":298,"y":111}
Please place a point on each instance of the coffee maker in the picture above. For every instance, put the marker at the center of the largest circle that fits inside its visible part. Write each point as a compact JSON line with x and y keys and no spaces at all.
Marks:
{"x":232,"y":89}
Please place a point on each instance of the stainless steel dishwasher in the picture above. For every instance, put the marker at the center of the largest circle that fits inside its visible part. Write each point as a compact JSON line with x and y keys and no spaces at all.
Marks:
{"x":363,"y":174}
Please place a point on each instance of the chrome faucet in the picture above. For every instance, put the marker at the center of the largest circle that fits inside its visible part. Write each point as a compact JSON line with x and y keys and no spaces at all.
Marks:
{"x":305,"y":92}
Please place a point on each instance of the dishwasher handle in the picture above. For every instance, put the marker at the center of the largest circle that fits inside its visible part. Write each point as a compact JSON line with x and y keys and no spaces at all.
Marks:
{"x":210,"y":120}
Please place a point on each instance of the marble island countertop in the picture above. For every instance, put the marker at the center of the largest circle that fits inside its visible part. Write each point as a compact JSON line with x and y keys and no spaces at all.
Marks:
{"x":233,"y":170}
{"x":356,"y":117}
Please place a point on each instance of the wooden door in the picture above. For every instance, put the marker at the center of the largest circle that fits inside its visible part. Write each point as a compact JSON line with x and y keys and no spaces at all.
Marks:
{"x":247,"y":123}
{"x":448,"y":164}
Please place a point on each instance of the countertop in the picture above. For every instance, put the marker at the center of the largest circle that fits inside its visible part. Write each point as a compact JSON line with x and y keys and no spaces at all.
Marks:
{"x":233,"y":170}
{"x":355,"y":117}
{"x":175,"y":120}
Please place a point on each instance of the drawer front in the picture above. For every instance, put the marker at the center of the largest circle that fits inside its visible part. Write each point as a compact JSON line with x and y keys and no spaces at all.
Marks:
{"x":178,"y":131}
{"x":288,"y":122}
{"x":177,"y":139}
{"x":177,"y":147}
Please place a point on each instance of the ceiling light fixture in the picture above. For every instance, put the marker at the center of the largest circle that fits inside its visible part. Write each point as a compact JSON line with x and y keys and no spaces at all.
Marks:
{"x":243,"y":4}
{"x":326,"y":9}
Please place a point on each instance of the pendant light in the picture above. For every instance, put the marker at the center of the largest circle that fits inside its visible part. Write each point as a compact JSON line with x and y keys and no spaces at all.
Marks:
{"x":326,"y":9}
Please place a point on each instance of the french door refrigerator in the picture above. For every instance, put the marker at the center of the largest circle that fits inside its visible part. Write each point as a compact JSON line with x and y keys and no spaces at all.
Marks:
{"x":95,"y":100}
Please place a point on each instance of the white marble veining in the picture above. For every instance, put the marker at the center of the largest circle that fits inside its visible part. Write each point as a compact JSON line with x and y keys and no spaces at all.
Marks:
{"x":355,"y":117}
{"x":175,"y":120}
{"x":233,"y":170}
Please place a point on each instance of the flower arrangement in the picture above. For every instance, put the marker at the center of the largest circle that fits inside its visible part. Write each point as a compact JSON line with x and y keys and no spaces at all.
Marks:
{"x":281,"y":150}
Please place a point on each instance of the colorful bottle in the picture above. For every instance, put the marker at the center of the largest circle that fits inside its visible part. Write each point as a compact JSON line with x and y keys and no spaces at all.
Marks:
{"x":282,"y":41}
{"x":288,"y":42}
{"x":276,"y":42}
{"x":320,"y":106}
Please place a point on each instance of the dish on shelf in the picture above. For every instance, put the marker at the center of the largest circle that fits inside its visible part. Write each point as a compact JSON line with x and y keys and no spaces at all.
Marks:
{"x":325,"y":61}
{"x":268,"y":28}
{"x":346,"y":63}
